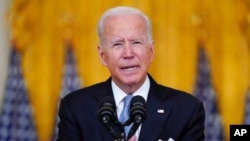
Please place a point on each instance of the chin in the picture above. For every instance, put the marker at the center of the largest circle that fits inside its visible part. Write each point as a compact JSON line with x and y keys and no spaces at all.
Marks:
{"x":132,"y":81}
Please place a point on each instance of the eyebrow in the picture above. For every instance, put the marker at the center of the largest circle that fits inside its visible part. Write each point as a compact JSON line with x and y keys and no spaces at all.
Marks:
{"x":117,"y":40}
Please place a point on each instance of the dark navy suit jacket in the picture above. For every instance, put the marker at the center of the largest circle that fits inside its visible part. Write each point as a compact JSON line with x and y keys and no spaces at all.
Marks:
{"x":171,"y":114}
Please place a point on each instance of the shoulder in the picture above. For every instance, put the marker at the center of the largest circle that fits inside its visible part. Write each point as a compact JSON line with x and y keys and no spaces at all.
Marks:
{"x":84,"y":95}
{"x":176,"y":94}
{"x":182,"y":103}
{"x":170,"y":93}
{"x":173,"y":96}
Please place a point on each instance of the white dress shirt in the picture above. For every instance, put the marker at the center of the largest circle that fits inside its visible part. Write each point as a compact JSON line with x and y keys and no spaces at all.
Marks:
{"x":119,"y":95}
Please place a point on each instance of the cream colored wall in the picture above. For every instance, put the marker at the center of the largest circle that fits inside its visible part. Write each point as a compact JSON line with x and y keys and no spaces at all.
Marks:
{"x":4,"y":47}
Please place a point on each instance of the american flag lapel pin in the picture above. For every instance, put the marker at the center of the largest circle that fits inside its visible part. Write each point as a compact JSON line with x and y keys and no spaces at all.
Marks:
{"x":160,"y":111}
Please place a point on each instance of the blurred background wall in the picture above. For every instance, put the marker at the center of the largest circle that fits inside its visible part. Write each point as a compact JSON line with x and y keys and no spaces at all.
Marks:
{"x":49,"y":48}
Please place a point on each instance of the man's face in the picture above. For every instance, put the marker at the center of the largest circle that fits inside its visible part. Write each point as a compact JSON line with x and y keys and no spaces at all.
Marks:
{"x":126,"y":49}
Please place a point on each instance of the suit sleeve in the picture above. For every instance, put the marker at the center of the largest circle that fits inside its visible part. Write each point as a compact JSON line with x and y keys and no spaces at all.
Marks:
{"x":195,"y":128}
{"x":68,"y":129}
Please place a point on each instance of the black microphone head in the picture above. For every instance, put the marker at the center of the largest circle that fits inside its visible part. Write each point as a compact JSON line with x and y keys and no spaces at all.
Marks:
{"x":138,"y":109}
{"x":106,"y":110}
{"x":106,"y":114}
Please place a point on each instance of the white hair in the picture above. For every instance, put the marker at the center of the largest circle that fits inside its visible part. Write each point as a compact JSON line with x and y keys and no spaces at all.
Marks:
{"x":123,"y":11}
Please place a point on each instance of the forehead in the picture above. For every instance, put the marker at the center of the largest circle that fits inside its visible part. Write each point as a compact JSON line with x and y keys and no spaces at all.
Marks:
{"x":125,"y":24}
{"x":134,"y":18}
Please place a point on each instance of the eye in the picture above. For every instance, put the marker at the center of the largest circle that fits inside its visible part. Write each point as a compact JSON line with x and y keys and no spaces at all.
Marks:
{"x":117,"y":44}
{"x":137,"y":43}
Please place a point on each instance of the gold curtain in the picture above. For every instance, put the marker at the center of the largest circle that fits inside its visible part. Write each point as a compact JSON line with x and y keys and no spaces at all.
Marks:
{"x":229,"y":56}
{"x":41,"y":30}
{"x":37,"y":36}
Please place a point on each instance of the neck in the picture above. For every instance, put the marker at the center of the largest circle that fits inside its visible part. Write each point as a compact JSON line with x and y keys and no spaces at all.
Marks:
{"x":131,"y":88}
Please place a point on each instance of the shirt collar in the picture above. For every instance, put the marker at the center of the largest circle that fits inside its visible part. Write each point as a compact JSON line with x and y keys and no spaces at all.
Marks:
{"x":120,"y":94}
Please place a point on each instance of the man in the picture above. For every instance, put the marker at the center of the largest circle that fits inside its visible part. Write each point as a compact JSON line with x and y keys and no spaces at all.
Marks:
{"x":126,"y":48}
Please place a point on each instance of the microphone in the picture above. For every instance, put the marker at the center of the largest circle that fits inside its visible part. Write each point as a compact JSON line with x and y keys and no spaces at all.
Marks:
{"x":106,"y":115}
{"x":138,"y":113}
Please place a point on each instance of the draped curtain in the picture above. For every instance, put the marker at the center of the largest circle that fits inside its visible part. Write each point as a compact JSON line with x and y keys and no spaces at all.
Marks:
{"x":41,"y":30}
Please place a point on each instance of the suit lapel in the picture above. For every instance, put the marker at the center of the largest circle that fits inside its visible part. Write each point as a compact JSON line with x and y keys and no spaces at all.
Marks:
{"x":158,"y":111}
{"x":104,"y":90}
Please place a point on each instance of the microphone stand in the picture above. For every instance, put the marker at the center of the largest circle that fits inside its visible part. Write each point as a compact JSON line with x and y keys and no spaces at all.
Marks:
{"x":122,"y":136}
{"x":133,"y":129}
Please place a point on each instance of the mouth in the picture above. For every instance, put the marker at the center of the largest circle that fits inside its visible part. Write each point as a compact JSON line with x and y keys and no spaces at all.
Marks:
{"x":129,"y":68}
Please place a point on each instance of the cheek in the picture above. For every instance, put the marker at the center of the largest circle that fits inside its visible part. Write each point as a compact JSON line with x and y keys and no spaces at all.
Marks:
{"x":112,"y":59}
{"x":103,"y":58}
{"x":147,"y":54}
{"x":107,"y":58}
{"x":147,"y":58}
{"x":150,"y":55}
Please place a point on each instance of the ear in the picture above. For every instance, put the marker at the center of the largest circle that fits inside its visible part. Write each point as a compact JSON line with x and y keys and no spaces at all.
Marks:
{"x":152,"y":51}
{"x":102,"y":55}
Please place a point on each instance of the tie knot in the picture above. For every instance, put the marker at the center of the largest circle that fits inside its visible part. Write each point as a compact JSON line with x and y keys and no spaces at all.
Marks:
{"x":127,"y":100}
{"x":125,"y":112}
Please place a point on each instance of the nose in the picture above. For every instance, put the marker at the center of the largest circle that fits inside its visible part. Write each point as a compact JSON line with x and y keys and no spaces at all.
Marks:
{"x":128,"y":51}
